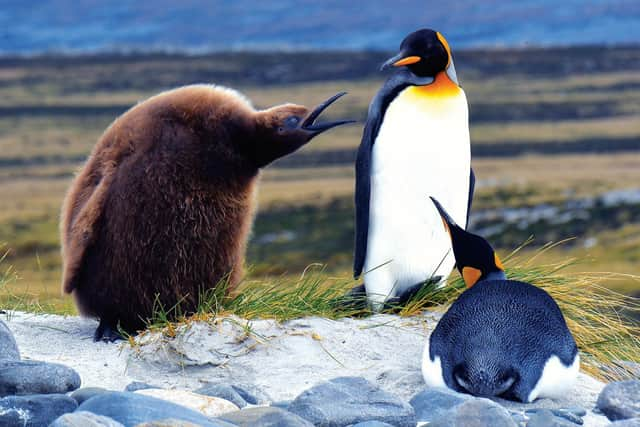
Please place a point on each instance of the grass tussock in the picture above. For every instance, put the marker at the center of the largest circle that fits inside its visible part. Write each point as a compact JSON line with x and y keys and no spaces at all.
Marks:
{"x":601,"y":320}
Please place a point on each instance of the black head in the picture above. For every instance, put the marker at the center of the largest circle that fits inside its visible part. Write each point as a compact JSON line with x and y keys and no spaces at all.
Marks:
{"x":475,"y":258}
{"x":283,"y":129}
{"x":425,"y":52}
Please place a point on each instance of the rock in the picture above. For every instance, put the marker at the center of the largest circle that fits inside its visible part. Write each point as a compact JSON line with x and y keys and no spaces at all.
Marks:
{"x":430,"y":403}
{"x":168,"y":423}
{"x":265,"y":416}
{"x":85,"y":393}
{"x":282,"y":404}
{"x":137,"y":385}
{"x":206,"y":405}
{"x":620,"y":400}
{"x":23,"y":377}
{"x":630,"y":422}
{"x":371,"y":424}
{"x":8,"y":347}
{"x":475,"y":413}
{"x":84,"y":419}
{"x":546,"y":418}
{"x":132,"y":409}
{"x":566,"y":414}
{"x":349,"y":400}
{"x":35,"y":410}
{"x":240,"y":396}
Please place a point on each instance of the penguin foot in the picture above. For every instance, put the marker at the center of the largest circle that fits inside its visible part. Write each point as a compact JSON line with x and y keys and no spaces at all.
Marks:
{"x":104,"y":332}
{"x":398,"y":302}
{"x":355,"y":300}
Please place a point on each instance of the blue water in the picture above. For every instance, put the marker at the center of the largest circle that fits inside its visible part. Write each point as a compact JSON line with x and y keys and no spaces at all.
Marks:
{"x":30,"y":26}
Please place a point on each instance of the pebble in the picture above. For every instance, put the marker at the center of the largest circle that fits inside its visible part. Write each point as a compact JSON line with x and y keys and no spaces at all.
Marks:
{"x":350,"y":400}
{"x":86,"y":393}
{"x":475,"y":412}
{"x":137,"y":385}
{"x":240,"y":396}
{"x":546,"y":418}
{"x":9,"y":348}
{"x":84,"y":419}
{"x":206,"y":405}
{"x":23,"y":377}
{"x":620,"y":400}
{"x":432,"y":402}
{"x":168,"y":423}
{"x":567,"y":414}
{"x":35,"y":410}
{"x":132,"y":409}
{"x":265,"y":416}
{"x":371,"y":424}
{"x":631,"y":422}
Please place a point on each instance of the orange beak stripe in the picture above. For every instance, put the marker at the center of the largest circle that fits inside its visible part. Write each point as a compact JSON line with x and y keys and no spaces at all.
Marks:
{"x":407,"y":61}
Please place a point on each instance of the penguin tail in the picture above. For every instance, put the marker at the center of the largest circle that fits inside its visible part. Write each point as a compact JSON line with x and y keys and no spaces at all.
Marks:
{"x":484,"y":381}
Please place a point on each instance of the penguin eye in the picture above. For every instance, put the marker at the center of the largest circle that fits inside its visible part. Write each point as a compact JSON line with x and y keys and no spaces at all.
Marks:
{"x":292,"y":122}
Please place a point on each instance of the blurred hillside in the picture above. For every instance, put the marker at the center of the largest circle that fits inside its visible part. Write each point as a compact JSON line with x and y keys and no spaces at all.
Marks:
{"x":205,"y":25}
{"x":555,"y":136}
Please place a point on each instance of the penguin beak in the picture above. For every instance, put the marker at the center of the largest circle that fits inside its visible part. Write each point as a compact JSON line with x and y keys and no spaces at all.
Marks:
{"x":446,"y":219}
{"x":400,"y":60}
{"x":309,"y":124}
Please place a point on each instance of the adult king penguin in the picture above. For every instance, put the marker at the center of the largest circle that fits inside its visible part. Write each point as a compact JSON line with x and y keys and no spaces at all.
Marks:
{"x":415,"y":143}
{"x":500,"y":337}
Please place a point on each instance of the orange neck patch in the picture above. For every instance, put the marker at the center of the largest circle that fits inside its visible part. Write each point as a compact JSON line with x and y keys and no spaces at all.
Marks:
{"x":442,"y":87}
{"x":470,"y":276}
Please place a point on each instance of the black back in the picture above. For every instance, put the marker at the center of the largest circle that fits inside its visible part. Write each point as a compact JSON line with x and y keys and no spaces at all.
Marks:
{"x":506,"y":325}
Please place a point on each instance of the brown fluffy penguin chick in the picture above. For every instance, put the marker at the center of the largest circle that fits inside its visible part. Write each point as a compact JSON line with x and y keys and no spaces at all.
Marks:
{"x":163,"y":207}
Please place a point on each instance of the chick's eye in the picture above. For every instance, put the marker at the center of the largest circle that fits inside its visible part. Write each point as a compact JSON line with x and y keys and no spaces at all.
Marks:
{"x":292,"y":121}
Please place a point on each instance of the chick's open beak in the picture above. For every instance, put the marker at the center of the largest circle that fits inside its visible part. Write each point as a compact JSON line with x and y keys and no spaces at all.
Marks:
{"x":309,"y":124}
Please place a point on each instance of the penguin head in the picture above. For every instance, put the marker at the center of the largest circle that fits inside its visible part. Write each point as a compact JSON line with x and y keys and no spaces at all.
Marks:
{"x":475,"y":258}
{"x":283,"y":129}
{"x":424,"y":52}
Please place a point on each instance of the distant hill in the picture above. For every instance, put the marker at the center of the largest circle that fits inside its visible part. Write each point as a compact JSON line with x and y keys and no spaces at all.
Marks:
{"x":204,"y":25}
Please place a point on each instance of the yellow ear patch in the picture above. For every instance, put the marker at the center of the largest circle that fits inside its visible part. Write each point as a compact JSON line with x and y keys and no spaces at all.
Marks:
{"x":498,"y":262}
{"x":446,"y":47}
{"x":407,"y":61}
{"x":470,"y":275}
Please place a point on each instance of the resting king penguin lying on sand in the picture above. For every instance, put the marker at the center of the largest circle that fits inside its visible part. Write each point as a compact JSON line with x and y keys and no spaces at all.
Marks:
{"x":500,"y":337}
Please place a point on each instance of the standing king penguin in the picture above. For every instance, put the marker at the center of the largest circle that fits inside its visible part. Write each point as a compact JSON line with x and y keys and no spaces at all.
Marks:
{"x":415,"y":143}
{"x":500,"y":337}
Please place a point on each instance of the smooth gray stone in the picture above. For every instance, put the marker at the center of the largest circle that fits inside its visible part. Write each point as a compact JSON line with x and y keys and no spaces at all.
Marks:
{"x":475,"y":413}
{"x":8,"y":347}
{"x":138,"y":385}
{"x":371,"y":424}
{"x":86,"y":393}
{"x":631,"y":422}
{"x":546,"y":418}
{"x":24,"y":377}
{"x":84,"y":419}
{"x":350,"y":400}
{"x":431,"y":402}
{"x":620,"y":400}
{"x":235,"y":394}
{"x":562,"y":413}
{"x":38,"y":410}
{"x":265,"y":416}
{"x":168,"y":423}
{"x":282,"y":404}
{"x":132,"y":409}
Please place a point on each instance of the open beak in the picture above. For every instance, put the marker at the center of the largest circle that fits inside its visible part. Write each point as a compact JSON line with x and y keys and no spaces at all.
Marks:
{"x":400,"y":60}
{"x":309,"y":124}
{"x":446,"y":219}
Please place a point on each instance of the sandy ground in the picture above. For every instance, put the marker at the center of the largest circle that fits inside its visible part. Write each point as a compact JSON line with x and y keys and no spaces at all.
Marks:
{"x":282,"y":359}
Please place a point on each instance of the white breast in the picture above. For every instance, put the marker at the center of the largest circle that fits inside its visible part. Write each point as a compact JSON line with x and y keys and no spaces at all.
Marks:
{"x":422,"y":149}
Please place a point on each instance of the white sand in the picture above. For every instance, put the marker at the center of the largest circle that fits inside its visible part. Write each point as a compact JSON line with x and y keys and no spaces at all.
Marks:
{"x":281,"y":359}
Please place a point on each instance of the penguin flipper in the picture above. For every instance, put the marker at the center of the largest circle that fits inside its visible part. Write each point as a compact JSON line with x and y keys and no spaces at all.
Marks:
{"x":82,"y":211}
{"x":472,"y":188}
{"x":378,"y":107}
